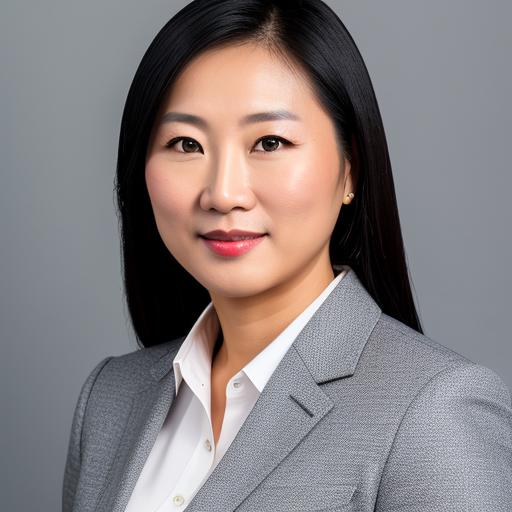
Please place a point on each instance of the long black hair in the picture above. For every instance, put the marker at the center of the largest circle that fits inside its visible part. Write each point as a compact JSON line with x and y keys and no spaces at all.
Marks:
{"x":163,"y":299}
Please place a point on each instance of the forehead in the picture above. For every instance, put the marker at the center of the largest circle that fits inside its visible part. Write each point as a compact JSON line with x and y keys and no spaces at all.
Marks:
{"x":240,"y":79}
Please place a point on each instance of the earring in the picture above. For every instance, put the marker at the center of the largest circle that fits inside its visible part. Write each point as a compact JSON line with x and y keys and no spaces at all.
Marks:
{"x":350,"y":196}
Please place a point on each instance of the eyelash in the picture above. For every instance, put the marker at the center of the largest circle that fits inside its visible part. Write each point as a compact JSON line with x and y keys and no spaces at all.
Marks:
{"x":174,"y":141}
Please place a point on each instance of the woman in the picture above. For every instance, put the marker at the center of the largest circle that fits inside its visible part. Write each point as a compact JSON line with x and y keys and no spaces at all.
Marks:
{"x":283,"y":367}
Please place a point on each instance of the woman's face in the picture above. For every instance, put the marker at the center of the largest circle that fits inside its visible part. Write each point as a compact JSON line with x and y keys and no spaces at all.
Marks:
{"x":284,"y":177}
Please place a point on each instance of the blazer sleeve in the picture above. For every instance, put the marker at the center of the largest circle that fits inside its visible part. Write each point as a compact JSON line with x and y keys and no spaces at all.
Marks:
{"x":73,"y":459}
{"x":453,"y":448}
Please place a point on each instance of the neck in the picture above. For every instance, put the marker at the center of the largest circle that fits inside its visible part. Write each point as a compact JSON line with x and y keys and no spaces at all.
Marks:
{"x":249,"y":324}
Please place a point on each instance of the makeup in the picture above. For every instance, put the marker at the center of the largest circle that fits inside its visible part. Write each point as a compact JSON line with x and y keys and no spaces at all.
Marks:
{"x":232,"y":248}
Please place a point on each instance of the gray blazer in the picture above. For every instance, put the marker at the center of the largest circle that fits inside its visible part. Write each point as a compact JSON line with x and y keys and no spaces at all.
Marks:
{"x":362,"y":414}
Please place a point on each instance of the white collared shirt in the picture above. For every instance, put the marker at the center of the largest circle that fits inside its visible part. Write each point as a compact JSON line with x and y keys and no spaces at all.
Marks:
{"x":184,"y":453}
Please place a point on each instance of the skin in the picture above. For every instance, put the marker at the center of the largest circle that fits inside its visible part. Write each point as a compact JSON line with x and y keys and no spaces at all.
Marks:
{"x":226,"y":177}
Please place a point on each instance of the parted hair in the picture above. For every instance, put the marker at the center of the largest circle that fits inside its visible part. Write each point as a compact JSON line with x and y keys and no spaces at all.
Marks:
{"x":163,"y":299}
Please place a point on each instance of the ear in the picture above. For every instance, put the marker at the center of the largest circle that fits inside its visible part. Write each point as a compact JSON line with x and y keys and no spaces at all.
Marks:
{"x":350,"y":174}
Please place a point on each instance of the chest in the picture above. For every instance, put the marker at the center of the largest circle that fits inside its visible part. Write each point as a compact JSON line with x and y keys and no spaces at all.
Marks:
{"x":217,"y":408}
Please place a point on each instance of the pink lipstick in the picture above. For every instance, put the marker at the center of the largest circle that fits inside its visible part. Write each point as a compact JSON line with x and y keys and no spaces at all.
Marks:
{"x":232,"y":243}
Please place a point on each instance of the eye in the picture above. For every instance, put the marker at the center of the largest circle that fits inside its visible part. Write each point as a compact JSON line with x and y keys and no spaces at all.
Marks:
{"x":269,"y":144}
{"x":272,"y":143}
{"x":188,"y":143}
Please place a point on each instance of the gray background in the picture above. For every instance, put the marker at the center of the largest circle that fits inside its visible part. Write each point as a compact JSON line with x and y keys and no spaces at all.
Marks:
{"x":442,"y":75}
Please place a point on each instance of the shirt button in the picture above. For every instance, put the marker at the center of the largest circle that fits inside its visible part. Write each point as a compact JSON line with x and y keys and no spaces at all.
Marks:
{"x":178,"y":500}
{"x":236,"y":384}
{"x":208,"y":445}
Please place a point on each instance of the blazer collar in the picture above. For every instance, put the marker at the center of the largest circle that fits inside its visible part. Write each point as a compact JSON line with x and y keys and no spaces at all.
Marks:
{"x":290,"y":405}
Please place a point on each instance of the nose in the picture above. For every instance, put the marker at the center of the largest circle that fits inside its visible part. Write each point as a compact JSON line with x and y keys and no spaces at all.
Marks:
{"x":228,"y":185}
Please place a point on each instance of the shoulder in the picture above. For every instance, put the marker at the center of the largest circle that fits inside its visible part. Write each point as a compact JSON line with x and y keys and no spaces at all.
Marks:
{"x":455,"y":424}
{"x":417,"y":371}
{"x":395,"y":348}
{"x":106,"y":393}
{"x":409,"y":343}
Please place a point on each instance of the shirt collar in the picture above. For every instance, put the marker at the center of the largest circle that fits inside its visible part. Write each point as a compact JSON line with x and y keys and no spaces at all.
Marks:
{"x":195,"y":353}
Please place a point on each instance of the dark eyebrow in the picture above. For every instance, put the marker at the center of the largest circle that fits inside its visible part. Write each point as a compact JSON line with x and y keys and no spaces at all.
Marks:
{"x":274,"y":115}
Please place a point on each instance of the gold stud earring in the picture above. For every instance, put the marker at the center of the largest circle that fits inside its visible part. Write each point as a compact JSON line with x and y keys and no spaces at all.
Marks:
{"x":348,"y":198}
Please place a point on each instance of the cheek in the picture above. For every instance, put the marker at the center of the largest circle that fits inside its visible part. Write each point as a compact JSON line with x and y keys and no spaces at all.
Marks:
{"x":172,"y":200}
{"x":307,"y":195}
{"x":169,"y":197}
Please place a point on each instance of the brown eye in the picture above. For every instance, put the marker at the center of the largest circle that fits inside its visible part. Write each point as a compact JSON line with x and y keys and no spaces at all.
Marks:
{"x":271,"y":142}
{"x":188,"y":145}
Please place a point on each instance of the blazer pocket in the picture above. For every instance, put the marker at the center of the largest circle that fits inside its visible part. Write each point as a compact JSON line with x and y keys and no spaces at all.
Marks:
{"x":298,"y":498}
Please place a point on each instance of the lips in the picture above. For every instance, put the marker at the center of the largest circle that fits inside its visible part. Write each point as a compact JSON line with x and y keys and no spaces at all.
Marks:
{"x":232,"y":235}
{"x":231,"y":248}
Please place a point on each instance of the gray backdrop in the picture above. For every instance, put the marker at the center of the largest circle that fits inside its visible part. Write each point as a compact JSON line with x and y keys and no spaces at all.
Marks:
{"x":442,"y":75}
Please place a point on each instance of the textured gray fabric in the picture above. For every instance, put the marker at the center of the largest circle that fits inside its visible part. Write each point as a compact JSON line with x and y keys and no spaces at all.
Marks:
{"x":361,"y":414}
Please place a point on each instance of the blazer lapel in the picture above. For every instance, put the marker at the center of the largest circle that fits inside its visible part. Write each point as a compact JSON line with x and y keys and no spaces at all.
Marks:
{"x":293,"y":402}
{"x":290,"y":405}
{"x":149,"y":407}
